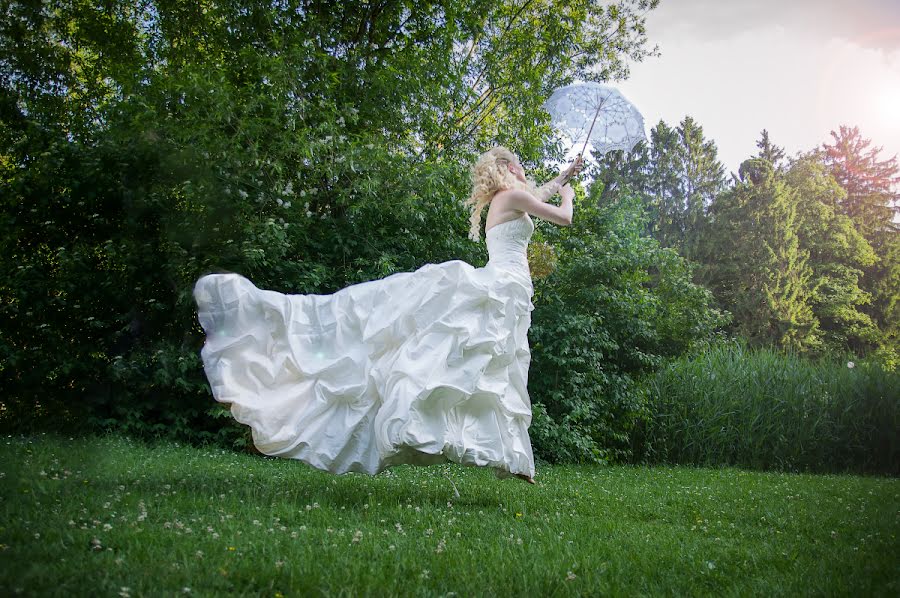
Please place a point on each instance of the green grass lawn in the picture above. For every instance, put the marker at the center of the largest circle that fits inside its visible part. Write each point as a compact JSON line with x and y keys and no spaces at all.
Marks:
{"x":111,"y":516}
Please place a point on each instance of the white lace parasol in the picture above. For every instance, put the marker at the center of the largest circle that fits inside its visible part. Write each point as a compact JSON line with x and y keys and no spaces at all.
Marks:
{"x":595,"y":115}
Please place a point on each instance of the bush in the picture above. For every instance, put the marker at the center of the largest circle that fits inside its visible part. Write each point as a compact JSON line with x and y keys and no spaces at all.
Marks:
{"x":103,"y":241}
{"x":616,"y":306}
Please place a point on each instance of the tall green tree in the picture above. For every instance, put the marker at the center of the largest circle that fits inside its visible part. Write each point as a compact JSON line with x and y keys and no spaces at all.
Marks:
{"x":618,"y":174}
{"x":754,"y":263}
{"x":871,"y":183}
{"x":677,"y":174}
{"x":872,"y":201}
{"x":683,"y":177}
{"x":838,"y":255}
{"x":769,"y":151}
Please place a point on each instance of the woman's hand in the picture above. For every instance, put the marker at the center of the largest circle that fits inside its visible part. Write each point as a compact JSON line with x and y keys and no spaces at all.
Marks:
{"x":567,"y":193}
{"x":573,"y":170}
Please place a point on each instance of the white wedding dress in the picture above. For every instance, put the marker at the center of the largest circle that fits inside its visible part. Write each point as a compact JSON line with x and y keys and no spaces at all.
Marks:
{"x":418,"y":367}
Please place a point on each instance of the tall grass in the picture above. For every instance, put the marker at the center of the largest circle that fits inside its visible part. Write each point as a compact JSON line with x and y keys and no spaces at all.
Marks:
{"x":765,"y":409}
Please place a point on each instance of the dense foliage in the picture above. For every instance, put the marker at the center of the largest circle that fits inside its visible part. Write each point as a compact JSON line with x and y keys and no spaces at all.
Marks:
{"x":802,"y":252}
{"x":765,"y":409}
{"x":305,"y":145}
{"x":616,"y":306}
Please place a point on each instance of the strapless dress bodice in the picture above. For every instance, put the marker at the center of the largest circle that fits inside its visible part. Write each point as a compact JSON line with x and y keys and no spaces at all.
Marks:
{"x":507,"y":245}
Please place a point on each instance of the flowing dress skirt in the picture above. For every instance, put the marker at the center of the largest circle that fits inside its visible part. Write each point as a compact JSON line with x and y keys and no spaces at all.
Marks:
{"x":418,"y":367}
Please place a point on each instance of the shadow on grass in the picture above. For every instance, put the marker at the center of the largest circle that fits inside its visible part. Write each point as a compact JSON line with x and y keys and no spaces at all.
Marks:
{"x":299,"y":483}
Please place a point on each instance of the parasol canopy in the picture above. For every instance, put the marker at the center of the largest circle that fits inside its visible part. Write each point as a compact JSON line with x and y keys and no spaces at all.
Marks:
{"x":597,"y":115}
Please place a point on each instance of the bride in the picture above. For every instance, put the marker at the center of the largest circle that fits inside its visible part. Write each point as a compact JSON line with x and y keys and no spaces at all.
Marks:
{"x":418,"y":367}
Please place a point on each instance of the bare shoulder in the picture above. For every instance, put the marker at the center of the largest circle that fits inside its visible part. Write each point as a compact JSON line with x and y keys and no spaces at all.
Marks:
{"x":513,"y":196}
{"x":502,"y":209}
{"x":513,"y":201}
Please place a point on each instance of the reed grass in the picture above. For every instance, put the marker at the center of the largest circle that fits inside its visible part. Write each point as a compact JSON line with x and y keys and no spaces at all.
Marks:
{"x":765,"y":409}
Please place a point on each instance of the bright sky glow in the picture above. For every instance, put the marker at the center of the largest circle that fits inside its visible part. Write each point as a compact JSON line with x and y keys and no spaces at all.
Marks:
{"x":738,"y":68}
{"x":887,"y":104}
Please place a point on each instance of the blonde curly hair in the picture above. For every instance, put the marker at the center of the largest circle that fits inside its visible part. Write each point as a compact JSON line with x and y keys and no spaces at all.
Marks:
{"x":490,"y":174}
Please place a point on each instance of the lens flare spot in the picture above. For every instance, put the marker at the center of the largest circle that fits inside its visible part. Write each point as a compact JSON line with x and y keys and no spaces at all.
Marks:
{"x":887,"y":103}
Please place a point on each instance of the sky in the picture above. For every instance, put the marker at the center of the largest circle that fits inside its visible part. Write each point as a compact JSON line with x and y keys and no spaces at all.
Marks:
{"x":798,"y":68}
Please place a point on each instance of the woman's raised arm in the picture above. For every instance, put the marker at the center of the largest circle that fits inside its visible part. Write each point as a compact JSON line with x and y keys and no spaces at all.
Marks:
{"x":526,"y":202}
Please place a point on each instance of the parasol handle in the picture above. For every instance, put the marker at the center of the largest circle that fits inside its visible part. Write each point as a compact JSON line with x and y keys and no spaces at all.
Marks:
{"x":588,"y":138}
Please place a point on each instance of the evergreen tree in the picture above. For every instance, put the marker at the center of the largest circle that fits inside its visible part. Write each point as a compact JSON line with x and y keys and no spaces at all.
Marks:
{"x":870,"y":182}
{"x":684,"y":176}
{"x":664,"y":193}
{"x":769,"y":151}
{"x":872,"y":201}
{"x":838,"y":256}
{"x":754,"y":263}
{"x":618,"y":174}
